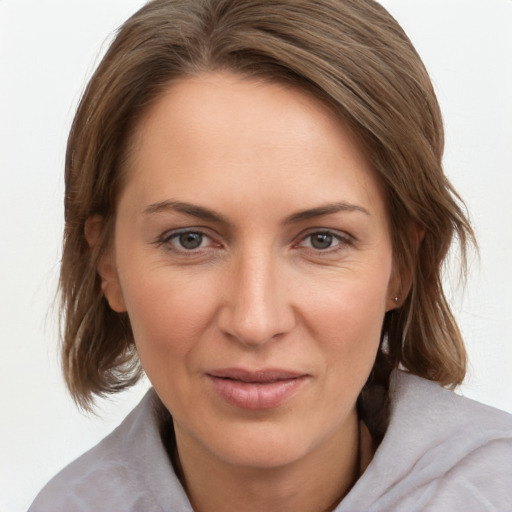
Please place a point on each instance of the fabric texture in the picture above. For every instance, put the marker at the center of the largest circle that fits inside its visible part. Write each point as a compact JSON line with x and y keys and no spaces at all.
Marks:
{"x":441,"y":452}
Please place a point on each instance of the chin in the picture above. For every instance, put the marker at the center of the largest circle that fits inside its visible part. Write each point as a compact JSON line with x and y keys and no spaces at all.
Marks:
{"x":263,"y":447}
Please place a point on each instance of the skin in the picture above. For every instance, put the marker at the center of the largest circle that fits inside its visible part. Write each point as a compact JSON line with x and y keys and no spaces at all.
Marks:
{"x":257,"y":293}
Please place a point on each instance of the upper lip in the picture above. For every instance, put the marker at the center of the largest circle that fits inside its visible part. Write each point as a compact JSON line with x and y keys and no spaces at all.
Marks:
{"x":255,"y":376}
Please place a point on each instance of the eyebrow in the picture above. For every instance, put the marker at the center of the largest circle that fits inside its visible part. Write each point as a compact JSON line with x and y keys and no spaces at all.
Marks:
{"x":186,"y":208}
{"x":213,"y":216}
{"x":327,"y":209}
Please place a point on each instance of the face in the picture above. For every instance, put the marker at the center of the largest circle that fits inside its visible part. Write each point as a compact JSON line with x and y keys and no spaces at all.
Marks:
{"x":253,"y":256}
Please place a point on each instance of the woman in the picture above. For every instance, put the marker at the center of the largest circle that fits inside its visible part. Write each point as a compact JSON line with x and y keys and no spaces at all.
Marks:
{"x":256,"y":217}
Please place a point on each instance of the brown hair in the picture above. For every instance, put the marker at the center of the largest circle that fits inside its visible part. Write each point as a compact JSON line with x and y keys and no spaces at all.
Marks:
{"x":349,"y":53}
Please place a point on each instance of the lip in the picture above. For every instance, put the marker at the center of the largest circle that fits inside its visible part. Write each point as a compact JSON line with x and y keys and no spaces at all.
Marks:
{"x":255,"y":389}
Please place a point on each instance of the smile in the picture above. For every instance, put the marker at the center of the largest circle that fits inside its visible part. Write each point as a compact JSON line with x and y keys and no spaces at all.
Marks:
{"x":262,"y":389}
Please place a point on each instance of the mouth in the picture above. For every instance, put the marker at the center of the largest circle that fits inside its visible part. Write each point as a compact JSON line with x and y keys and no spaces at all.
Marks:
{"x":255,"y":389}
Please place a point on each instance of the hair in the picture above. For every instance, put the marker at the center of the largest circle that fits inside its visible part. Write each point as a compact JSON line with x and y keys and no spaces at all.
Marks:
{"x":350,"y":54}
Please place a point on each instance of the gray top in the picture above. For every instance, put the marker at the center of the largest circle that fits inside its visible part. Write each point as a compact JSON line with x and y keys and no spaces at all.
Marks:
{"x":441,"y":452}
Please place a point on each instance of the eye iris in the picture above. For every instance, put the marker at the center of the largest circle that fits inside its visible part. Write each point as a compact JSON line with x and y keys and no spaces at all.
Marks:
{"x":190,"y":240}
{"x":321,"y":240}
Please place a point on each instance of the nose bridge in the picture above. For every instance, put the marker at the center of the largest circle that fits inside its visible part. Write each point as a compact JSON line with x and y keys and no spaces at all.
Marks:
{"x":258,"y":307}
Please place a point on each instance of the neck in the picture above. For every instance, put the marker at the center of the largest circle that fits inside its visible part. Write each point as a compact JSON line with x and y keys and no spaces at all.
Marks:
{"x":315,"y":482}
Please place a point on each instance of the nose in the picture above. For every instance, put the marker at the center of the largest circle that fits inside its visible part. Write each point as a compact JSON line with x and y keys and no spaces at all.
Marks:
{"x":258,"y":306}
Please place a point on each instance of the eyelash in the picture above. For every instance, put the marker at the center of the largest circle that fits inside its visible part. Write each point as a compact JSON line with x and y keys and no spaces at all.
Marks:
{"x":342,"y":241}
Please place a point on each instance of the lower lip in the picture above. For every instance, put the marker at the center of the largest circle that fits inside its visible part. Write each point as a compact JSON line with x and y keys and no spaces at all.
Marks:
{"x":252,"y":395}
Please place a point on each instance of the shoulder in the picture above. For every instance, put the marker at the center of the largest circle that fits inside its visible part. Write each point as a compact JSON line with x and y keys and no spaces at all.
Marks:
{"x":115,"y":474}
{"x":440,"y":452}
{"x":442,"y":411}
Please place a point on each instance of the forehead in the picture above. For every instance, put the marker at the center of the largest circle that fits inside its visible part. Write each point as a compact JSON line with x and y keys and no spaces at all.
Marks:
{"x":219,"y":132}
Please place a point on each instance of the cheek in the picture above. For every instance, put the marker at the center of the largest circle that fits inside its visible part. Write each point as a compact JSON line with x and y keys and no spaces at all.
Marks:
{"x":346,"y":318}
{"x":348,"y":308}
{"x":168,"y":313}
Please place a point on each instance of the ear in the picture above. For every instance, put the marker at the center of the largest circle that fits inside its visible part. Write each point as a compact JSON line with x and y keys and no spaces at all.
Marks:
{"x":401,"y":279}
{"x":396,"y":290}
{"x":110,"y":284}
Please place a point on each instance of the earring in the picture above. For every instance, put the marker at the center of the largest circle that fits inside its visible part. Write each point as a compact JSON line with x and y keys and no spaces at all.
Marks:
{"x":395,"y":300}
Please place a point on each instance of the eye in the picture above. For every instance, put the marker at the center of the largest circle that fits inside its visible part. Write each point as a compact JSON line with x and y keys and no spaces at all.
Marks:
{"x":324,"y":240}
{"x":186,"y":240}
{"x":189,"y":240}
{"x":321,"y":240}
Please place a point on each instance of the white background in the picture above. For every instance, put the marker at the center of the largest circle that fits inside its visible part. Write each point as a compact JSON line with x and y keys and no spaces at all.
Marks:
{"x":47,"y":51}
